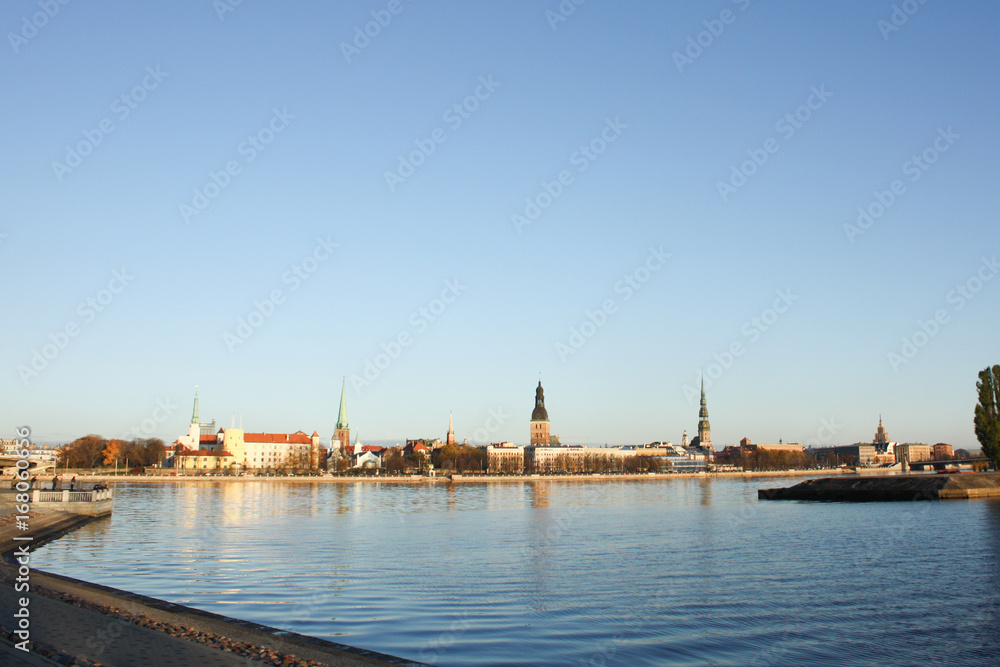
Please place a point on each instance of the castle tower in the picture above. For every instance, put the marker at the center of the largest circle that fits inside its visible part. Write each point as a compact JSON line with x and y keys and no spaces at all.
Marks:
{"x":539,"y":419}
{"x":704,"y":428}
{"x":194,"y":431}
{"x":194,"y":414}
{"x":450,"y":440}
{"x":342,"y":435}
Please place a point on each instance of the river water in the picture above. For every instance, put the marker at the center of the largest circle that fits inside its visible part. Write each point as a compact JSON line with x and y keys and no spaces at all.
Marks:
{"x":677,"y":571}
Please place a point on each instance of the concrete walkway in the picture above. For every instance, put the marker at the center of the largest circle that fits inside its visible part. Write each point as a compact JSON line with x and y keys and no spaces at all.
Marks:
{"x":93,"y":636}
{"x":112,"y":642}
{"x":12,"y":657}
{"x":85,"y":633}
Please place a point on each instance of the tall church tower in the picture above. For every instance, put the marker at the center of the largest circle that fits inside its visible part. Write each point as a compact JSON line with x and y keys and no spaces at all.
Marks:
{"x":450,"y":440}
{"x":342,"y":435}
{"x":704,"y":428}
{"x":539,"y":419}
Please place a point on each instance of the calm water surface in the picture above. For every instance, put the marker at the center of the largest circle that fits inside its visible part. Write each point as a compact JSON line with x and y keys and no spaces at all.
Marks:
{"x":680,"y":571}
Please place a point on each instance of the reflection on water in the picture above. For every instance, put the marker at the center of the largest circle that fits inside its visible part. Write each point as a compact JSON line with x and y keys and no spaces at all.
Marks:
{"x":687,"y":571}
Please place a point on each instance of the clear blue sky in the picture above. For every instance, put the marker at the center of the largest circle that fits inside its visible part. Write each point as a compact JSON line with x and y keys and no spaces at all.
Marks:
{"x":330,"y":121}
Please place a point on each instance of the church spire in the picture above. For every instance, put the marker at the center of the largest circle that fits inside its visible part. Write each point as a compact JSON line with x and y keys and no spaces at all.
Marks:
{"x":342,"y":417}
{"x":450,"y":440}
{"x":194,"y":415}
{"x":704,"y":428}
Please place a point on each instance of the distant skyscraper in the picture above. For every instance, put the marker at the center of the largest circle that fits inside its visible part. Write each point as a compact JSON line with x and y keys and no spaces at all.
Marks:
{"x":704,"y":428}
{"x":342,"y":434}
{"x":539,"y":419}
{"x":881,"y":440}
{"x":450,"y":440}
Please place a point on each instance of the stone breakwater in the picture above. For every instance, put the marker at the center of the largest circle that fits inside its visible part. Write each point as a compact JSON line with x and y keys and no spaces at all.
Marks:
{"x":890,"y":488}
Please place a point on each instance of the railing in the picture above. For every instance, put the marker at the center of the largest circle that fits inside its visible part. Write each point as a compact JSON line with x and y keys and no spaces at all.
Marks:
{"x":67,"y":496}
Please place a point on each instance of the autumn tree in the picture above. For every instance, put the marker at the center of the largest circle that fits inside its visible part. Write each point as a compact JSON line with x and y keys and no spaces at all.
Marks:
{"x":393,"y":461}
{"x":113,"y":451}
{"x":987,"y":415}
{"x":460,"y":458}
{"x":83,"y":452}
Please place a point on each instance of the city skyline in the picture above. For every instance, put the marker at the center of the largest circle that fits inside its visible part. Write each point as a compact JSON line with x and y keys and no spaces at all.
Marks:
{"x":796,"y":201}
{"x":497,"y":420}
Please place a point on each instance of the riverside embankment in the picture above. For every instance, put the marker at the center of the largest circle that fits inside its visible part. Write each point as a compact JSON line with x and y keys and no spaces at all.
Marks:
{"x":87,"y":479}
{"x":70,"y":621}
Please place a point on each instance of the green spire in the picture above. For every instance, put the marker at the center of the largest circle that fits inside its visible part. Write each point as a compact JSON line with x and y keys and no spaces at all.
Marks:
{"x":342,"y":418}
{"x":703,"y":413}
{"x":194,"y":415}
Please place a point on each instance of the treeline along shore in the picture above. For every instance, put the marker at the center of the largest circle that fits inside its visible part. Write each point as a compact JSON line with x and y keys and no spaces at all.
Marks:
{"x":85,"y":479}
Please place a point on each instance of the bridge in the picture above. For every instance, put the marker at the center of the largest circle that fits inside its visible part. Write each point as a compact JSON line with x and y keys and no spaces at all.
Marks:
{"x":950,"y":464}
{"x":8,"y":461}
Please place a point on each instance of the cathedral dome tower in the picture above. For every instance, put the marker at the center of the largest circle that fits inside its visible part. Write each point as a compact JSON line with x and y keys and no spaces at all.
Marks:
{"x":539,"y":419}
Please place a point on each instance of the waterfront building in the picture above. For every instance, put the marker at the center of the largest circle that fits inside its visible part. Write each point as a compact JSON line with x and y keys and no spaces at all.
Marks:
{"x":365,"y":456}
{"x":505,"y":457}
{"x":204,"y":460}
{"x":342,"y":435}
{"x":250,"y":451}
{"x":746,"y":446}
{"x":261,"y":451}
{"x":942,"y":452}
{"x":858,"y":454}
{"x":911,"y":452}
{"x":677,"y":458}
{"x":539,"y":420}
{"x":561,"y":458}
